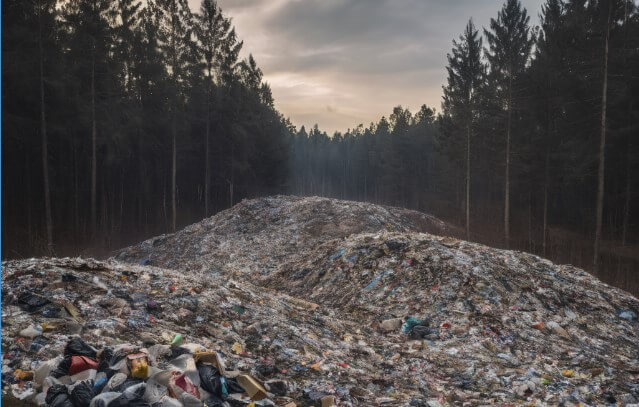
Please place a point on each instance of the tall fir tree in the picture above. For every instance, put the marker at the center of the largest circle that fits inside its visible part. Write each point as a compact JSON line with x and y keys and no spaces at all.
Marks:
{"x":509,"y":45}
{"x":461,"y":99}
{"x":175,"y":25}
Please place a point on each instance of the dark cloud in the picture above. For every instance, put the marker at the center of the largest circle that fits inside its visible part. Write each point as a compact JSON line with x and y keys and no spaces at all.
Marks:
{"x":341,"y":62}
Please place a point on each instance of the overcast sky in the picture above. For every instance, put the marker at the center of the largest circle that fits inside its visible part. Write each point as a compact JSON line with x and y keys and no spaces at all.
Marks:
{"x":339,"y":63}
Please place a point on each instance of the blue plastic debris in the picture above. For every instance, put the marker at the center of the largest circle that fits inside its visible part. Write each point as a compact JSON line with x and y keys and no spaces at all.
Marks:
{"x":376,"y":280}
{"x":627,"y":314}
{"x":337,"y":255}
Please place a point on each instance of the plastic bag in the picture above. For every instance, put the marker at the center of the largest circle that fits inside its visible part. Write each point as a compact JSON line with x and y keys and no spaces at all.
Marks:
{"x":412,"y":322}
{"x":104,"y":359}
{"x":77,"y":347}
{"x":186,"y":364}
{"x":57,"y":396}
{"x":179,"y":384}
{"x":214,"y":401}
{"x":127,"y":384}
{"x":210,"y":379}
{"x":30,"y":302}
{"x":156,"y":386}
{"x":63,"y":368}
{"x":214,"y":383}
{"x":132,"y":396}
{"x":80,"y":364}
{"x":103,"y":399}
{"x":82,"y":393}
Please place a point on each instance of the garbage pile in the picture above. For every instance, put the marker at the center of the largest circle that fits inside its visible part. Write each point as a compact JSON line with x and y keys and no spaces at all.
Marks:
{"x":256,"y":236}
{"x":488,"y":321}
{"x":290,"y":308}
{"x":127,"y":374}
{"x":82,"y":332}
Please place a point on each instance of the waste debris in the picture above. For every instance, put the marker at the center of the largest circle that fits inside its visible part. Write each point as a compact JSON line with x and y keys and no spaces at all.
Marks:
{"x":182,"y":351}
{"x":255,"y":236}
{"x":274,"y":303}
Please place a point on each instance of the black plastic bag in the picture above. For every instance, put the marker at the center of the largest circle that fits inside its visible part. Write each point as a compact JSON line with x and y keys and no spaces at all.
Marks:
{"x":129,"y":382}
{"x":77,"y":347}
{"x":214,"y":401}
{"x":210,"y":379}
{"x":234,"y":386}
{"x":214,"y":383}
{"x":175,"y":352}
{"x":30,"y":302}
{"x":57,"y":396}
{"x":82,"y":393}
{"x":421,"y":331}
{"x":63,"y":367}
{"x":133,"y":396}
{"x":105,"y":360}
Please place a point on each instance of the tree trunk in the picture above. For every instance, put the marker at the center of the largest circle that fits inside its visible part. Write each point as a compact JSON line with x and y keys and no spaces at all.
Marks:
{"x":626,"y":209}
{"x":627,"y":200}
{"x":76,"y":193}
{"x":43,"y":131}
{"x":530,"y":227}
{"x":174,"y":67}
{"x":206,"y":167}
{"x":27,"y":162}
{"x":93,"y":148}
{"x":173,"y":175}
{"x":207,"y":152}
{"x":166,"y":220}
{"x":507,"y":181}
{"x":545,"y":228}
{"x":546,"y":172}
{"x":121,"y":217}
{"x":142,"y":183}
{"x":602,"y":148}
{"x":468,"y":182}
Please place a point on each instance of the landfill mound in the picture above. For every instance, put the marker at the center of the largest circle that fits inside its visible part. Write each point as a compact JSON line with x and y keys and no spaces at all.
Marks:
{"x":322,"y":303}
{"x":502,"y":320}
{"x":290,"y":345}
{"x":256,"y":236}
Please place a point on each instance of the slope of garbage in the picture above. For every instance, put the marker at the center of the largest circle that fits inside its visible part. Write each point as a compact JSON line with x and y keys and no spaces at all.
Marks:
{"x":315,"y":302}
{"x":256,"y":236}
{"x":292,"y":348}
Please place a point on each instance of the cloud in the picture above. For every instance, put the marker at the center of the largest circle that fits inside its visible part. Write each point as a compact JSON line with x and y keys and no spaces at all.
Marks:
{"x":339,"y":63}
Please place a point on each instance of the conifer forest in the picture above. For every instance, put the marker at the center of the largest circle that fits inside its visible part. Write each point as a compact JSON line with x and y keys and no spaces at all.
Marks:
{"x":123,"y":119}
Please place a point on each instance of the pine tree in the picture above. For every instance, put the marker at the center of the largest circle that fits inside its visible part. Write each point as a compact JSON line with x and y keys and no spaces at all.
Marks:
{"x":460,"y":103}
{"x":546,"y":73}
{"x":88,"y":39}
{"x":212,"y":30}
{"x":175,"y":38}
{"x":510,"y":43}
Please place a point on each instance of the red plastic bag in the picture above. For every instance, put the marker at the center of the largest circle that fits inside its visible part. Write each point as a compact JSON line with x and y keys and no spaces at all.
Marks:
{"x":80,"y":364}
{"x":179,"y":384}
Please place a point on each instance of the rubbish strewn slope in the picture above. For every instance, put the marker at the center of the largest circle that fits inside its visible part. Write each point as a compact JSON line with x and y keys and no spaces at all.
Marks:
{"x":343,"y":299}
{"x":256,"y":236}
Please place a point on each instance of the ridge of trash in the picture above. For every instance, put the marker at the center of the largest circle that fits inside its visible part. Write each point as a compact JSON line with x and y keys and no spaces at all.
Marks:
{"x":305,"y":313}
{"x":256,"y":236}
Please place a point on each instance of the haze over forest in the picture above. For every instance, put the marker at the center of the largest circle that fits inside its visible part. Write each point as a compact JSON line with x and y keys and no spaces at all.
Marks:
{"x":341,"y":63}
{"x":516,"y":123}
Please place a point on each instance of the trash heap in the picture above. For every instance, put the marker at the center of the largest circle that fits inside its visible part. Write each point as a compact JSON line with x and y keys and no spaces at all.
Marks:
{"x":256,"y":236}
{"x":80,"y":332}
{"x":163,"y":375}
{"x":374,"y":313}
{"x":487,"y":321}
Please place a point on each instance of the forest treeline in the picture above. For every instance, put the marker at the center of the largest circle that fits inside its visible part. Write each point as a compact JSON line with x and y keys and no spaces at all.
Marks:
{"x":123,"y":119}
{"x":536,"y":146}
